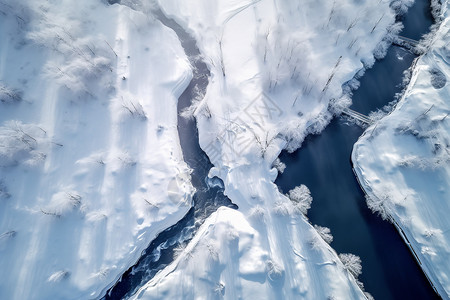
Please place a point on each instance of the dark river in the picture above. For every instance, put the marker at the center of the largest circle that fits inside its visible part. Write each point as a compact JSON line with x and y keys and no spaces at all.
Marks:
{"x":323,"y":164}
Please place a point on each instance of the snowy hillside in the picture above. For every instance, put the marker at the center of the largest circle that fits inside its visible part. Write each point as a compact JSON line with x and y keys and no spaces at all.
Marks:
{"x":403,"y":161}
{"x":277,"y":68}
{"x":90,"y":164}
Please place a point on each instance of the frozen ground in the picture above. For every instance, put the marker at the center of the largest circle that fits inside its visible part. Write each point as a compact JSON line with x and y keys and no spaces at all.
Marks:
{"x":403,"y":161}
{"x":90,"y":164}
{"x":277,"y":68}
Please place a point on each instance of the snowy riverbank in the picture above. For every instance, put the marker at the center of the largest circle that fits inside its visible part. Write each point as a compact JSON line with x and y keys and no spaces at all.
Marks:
{"x":403,"y":161}
{"x":91,"y":168}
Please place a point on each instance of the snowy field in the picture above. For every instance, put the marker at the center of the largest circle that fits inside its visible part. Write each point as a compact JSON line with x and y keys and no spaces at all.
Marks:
{"x":90,"y":164}
{"x":403,"y":161}
{"x":278,"y":70}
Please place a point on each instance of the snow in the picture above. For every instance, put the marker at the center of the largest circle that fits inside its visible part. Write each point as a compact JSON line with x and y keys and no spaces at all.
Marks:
{"x":230,"y":258}
{"x":277,"y":74}
{"x":91,"y":169}
{"x":403,"y":161}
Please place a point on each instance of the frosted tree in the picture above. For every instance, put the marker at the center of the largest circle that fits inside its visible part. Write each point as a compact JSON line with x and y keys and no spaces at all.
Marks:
{"x":352,"y":263}
{"x":275,"y":271}
{"x":324,"y":233}
{"x":279,"y":165}
{"x":301,"y":196}
{"x":21,"y":143}
{"x":62,"y":203}
{"x":379,"y":205}
{"x":401,"y":6}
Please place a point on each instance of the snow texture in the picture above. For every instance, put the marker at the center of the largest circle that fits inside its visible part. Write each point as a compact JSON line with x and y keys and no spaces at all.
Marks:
{"x":403,"y":161}
{"x":87,"y":177}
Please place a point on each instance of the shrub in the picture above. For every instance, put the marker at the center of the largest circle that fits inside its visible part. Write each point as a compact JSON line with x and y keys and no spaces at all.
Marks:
{"x":301,"y":196}
{"x":352,"y":263}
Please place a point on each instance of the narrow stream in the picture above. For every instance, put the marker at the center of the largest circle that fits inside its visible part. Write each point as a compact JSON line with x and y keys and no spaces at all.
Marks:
{"x":209,"y":195}
{"x":323,"y":164}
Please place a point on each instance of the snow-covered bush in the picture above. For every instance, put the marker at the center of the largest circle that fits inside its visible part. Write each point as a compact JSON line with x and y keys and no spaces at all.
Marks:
{"x":257,"y":213}
{"x":62,"y":203}
{"x":294,"y":135}
{"x":392,"y":33}
{"x":83,"y":63}
{"x":134,"y":108}
{"x":352,"y":263}
{"x":9,"y":95}
{"x":58,"y":276}
{"x":436,"y":9}
{"x":283,"y":208}
{"x":401,"y":6}
{"x":275,"y":271}
{"x":324,"y":233}
{"x":21,"y":143}
{"x":379,"y":205}
{"x":301,"y":196}
{"x":279,"y":165}
{"x":126,"y":159}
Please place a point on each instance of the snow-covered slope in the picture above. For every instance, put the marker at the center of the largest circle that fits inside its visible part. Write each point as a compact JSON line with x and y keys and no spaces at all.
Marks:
{"x":90,"y":164}
{"x":403,"y":161}
{"x":277,"y":71}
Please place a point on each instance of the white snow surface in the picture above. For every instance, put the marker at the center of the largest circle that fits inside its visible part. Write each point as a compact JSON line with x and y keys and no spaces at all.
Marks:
{"x":91,"y":169}
{"x":403,"y":161}
{"x":277,"y":70}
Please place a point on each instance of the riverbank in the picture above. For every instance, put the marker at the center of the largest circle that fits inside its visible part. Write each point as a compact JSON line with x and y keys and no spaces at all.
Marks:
{"x":402,"y":162}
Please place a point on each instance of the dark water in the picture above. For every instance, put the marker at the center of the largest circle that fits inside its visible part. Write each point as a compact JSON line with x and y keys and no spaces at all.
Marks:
{"x":323,"y":164}
{"x":208,"y":197}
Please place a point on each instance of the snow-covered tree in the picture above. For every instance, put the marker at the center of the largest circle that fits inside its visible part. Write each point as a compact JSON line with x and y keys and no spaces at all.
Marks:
{"x":274,"y":270}
{"x":62,"y":203}
{"x":379,"y":205}
{"x":21,"y":143}
{"x":352,"y":263}
{"x":325,"y":233}
{"x":401,"y":6}
{"x":279,"y":165}
{"x":301,"y":196}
